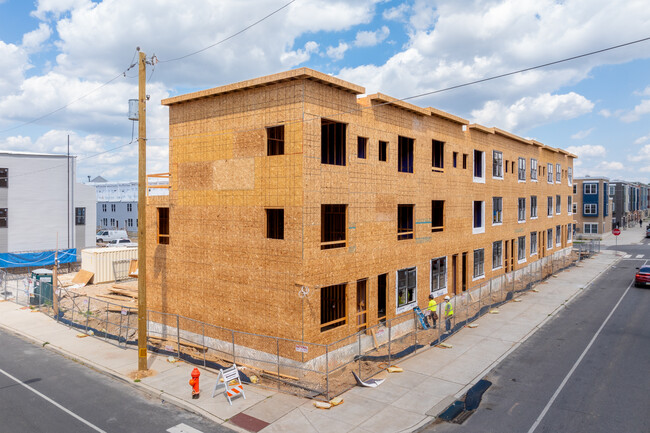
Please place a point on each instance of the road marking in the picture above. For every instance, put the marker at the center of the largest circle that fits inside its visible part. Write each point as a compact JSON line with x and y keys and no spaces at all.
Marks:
{"x":46,"y":398}
{"x":183,"y":428}
{"x":639,"y":256}
{"x":573,"y":369}
{"x":627,"y":256}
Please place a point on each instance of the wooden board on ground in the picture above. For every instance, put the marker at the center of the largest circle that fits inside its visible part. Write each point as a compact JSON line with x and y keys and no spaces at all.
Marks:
{"x":127,"y":286}
{"x":119,"y":310}
{"x":123,"y":292}
{"x":133,"y":268}
{"x":117,"y":298}
{"x":83,"y":277}
{"x":162,"y":341}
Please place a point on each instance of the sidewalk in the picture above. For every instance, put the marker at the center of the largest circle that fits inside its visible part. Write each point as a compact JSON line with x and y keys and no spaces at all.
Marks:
{"x":630,"y":236}
{"x":404,"y":402}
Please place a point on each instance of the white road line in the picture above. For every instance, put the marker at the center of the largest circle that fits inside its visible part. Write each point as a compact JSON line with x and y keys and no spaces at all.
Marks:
{"x":566,"y":378}
{"x":46,"y":398}
{"x":183,"y":428}
{"x":627,"y":256}
{"x":639,"y":256}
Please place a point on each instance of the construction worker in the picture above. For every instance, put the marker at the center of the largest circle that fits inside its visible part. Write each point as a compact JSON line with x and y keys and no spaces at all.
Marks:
{"x":431,"y":311}
{"x":448,"y":312}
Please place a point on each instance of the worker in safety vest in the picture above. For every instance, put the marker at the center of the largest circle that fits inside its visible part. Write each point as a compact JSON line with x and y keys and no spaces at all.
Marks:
{"x":431,"y":311}
{"x":448,"y":313}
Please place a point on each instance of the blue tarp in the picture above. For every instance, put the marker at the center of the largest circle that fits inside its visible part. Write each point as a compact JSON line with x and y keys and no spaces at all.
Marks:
{"x":32,"y":260}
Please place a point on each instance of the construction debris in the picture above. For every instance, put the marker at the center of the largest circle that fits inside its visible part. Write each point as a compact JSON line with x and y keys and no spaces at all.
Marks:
{"x":322,"y":405}
{"x":445,"y":346}
{"x":494,"y":311}
{"x":473,"y":325}
{"x":394,"y":369}
{"x":336,"y":401}
{"x":83,"y":277}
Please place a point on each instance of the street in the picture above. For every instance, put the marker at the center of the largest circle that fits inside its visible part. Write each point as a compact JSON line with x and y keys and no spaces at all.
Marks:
{"x":584,"y":371}
{"x":42,"y":391}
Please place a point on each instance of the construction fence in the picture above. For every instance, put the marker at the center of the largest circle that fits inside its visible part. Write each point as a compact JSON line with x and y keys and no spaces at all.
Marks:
{"x":305,"y":369}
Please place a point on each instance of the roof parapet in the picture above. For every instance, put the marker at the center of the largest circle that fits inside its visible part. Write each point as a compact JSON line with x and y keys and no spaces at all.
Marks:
{"x":447,"y":116}
{"x":389,"y":100}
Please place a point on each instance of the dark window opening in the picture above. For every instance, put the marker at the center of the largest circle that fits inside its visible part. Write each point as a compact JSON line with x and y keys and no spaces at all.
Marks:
{"x":332,"y":142}
{"x":275,"y":140}
{"x":438,"y":157}
{"x":275,"y":223}
{"x":333,"y":226}
{"x":332,"y":307}
{"x":478,"y":163}
{"x":362,"y":145}
{"x":383,"y":151}
{"x":163,"y":225}
{"x":4,"y":177}
{"x":465,"y":160}
{"x":381,"y":296}
{"x":404,"y":221}
{"x":437,"y":215}
{"x":4,"y":217}
{"x":455,"y":159}
{"x":478,"y":214}
{"x":80,"y":216}
{"x":405,"y":154}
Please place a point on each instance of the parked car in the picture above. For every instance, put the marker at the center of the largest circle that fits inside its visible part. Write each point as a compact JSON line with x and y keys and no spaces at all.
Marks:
{"x":110,"y":235}
{"x":647,"y":232}
{"x":642,"y":277}
{"x":121,"y":243}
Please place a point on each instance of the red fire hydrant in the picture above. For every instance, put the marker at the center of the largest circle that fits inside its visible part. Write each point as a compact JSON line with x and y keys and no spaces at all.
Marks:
{"x":194,"y":382}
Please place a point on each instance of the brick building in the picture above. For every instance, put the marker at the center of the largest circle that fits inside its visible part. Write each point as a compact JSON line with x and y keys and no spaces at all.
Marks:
{"x":294,"y":182}
{"x":592,"y":207}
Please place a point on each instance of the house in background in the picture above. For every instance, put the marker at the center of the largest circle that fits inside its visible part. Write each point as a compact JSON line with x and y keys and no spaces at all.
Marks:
{"x":630,"y":202}
{"x":592,"y":205}
{"x":117,"y":205}
{"x":40,"y":202}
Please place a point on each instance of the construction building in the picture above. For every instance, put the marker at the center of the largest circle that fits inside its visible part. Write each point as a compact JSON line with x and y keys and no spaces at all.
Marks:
{"x":299,"y":208}
{"x":592,"y":207}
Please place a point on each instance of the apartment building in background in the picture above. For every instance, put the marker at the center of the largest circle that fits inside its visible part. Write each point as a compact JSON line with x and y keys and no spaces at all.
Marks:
{"x":117,"y":205}
{"x":592,"y":207}
{"x":631,"y":202}
{"x":299,"y":208}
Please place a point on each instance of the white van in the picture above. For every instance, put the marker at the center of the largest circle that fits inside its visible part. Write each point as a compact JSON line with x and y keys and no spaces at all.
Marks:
{"x":110,"y":235}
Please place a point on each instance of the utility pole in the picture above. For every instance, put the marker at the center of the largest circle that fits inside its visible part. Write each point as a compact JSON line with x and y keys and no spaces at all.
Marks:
{"x":142,"y":213}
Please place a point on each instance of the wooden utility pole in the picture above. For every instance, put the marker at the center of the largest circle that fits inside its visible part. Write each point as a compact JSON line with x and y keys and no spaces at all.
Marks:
{"x":142,"y":213}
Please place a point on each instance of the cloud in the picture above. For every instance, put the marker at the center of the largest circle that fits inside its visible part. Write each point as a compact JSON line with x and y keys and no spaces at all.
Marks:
{"x":529,"y":112}
{"x":397,"y":13}
{"x":32,"y":41}
{"x":14,"y":62}
{"x":293,"y":58}
{"x":610,"y":166}
{"x":605,"y":113}
{"x":642,"y":140}
{"x":644,"y":92}
{"x":582,"y":134}
{"x":370,"y":39}
{"x":587,"y":151}
{"x":337,"y":53}
{"x":643,"y":155}
{"x":637,"y":112}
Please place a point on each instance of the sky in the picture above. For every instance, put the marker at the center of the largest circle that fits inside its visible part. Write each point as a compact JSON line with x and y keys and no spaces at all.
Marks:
{"x":64,"y":68}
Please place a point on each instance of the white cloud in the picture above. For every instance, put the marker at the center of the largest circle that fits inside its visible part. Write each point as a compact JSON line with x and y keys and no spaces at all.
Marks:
{"x":605,"y":113}
{"x":293,"y":58}
{"x":588,"y":151}
{"x":582,"y":134}
{"x":13,"y":64}
{"x":644,"y":92}
{"x":637,"y":112}
{"x":610,"y":166}
{"x":56,"y":8}
{"x":397,"y":13}
{"x":337,"y":53}
{"x":643,"y":155}
{"x":32,"y":41}
{"x":642,"y":140}
{"x":370,"y":39}
{"x":528,"y":112}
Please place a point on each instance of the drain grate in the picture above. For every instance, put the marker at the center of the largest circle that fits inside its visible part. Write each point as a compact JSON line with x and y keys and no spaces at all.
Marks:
{"x":462,"y":417}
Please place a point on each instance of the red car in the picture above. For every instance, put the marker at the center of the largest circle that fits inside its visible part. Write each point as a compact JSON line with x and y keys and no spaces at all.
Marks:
{"x":642,"y":277}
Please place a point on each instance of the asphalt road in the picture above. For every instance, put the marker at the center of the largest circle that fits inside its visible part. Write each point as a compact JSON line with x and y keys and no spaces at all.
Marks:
{"x":580,"y":372}
{"x":42,"y":391}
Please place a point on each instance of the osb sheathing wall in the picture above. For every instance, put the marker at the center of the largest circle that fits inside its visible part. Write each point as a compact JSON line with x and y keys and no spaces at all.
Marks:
{"x":220,"y":268}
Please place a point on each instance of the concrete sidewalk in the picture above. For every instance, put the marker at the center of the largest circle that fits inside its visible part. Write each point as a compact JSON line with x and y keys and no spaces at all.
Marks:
{"x":404,"y":402}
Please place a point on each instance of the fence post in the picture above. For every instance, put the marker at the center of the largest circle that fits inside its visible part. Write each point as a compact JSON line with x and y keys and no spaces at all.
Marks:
{"x":327,"y":372}
{"x":106,"y":324}
{"x":178,"y":335}
{"x":390,"y":328}
{"x":119,"y":334}
{"x":87,"y":312}
{"x":232,"y":333}
{"x":128,"y":327}
{"x":359,"y":358}
{"x":277,"y":350}
{"x":205,"y":349}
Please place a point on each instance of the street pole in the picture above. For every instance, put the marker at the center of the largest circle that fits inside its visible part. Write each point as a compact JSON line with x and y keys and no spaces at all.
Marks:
{"x":142,"y":213}
{"x":55,"y":303}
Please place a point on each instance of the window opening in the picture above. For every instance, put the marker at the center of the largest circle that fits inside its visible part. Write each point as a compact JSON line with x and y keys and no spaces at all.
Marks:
{"x":438,"y":155}
{"x":383,"y":151}
{"x":332,"y":307}
{"x":362,"y":145}
{"x":332,"y":142}
{"x":405,"y":154}
{"x":163,"y":225}
{"x":275,"y":223}
{"x":333,"y":220}
{"x":275,"y":140}
{"x":406,"y":287}
{"x":437,"y":215}
{"x":404,"y":221}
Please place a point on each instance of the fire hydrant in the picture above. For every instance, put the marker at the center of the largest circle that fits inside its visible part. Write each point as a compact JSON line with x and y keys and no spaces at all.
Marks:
{"x":194,"y":382}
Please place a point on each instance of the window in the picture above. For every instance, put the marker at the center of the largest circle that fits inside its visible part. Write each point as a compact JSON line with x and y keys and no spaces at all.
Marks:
{"x":163,"y":225}
{"x":404,"y":221}
{"x":569,"y":175}
{"x":4,"y":217}
{"x":507,"y":164}
{"x":558,"y":173}
{"x":437,"y":215}
{"x":549,"y":173}
{"x":383,"y":151}
{"x":558,"y":235}
{"x":406,"y":288}
{"x":4,"y":177}
{"x":497,"y":210}
{"x":521,"y":173}
{"x":533,"y":206}
{"x":569,"y":232}
{"x":549,"y":210}
{"x":405,"y":154}
{"x":275,"y":140}
{"x":479,"y":258}
{"x":438,"y":157}
{"x":591,"y":228}
{"x":80,"y":216}
{"x":521,"y":206}
{"x":479,"y":166}
{"x":533,"y":243}
{"x":590,"y":188}
{"x":569,"y":205}
{"x":590,"y":209}
{"x":612,"y":189}
{"x":575,"y":188}
{"x":575,"y":207}
{"x":439,"y":276}
{"x":497,"y":254}
{"x":558,"y":204}
{"x":455,"y":158}
{"x":521,"y":248}
{"x":332,"y":141}
{"x":533,"y":169}
{"x":332,"y":307}
{"x":497,"y":164}
{"x":275,"y":223}
{"x":112,"y":222}
{"x":479,"y":222}
{"x":130,"y":222}
{"x":129,"y":207}
{"x":465,"y":161}
{"x":549,"y":239}
{"x":333,"y":220}
{"x":105,"y":222}
{"x":362,"y":145}
{"x":113,"y":207}
{"x":103,"y":207}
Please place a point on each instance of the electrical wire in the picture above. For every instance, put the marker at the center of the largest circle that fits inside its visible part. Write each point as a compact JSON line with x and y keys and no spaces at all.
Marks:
{"x":229,"y":37}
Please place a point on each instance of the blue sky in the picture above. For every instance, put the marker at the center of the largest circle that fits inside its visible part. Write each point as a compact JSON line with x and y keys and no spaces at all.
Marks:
{"x":54,"y":51}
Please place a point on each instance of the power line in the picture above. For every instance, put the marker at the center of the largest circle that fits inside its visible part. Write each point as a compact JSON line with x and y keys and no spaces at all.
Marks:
{"x":229,"y":37}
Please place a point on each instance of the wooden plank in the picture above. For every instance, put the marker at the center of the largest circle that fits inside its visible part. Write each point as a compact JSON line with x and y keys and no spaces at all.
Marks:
{"x":83,"y":277}
{"x":119,"y":310}
{"x":174,"y":342}
{"x":131,"y":287}
{"x":117,"y":298}
{"x":374,"y":337}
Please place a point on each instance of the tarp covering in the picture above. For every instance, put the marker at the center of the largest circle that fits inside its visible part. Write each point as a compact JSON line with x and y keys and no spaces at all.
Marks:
{"x":33,"y":259}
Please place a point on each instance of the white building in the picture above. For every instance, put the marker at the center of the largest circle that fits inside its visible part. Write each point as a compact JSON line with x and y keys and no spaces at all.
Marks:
{"x":40,"y":202}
